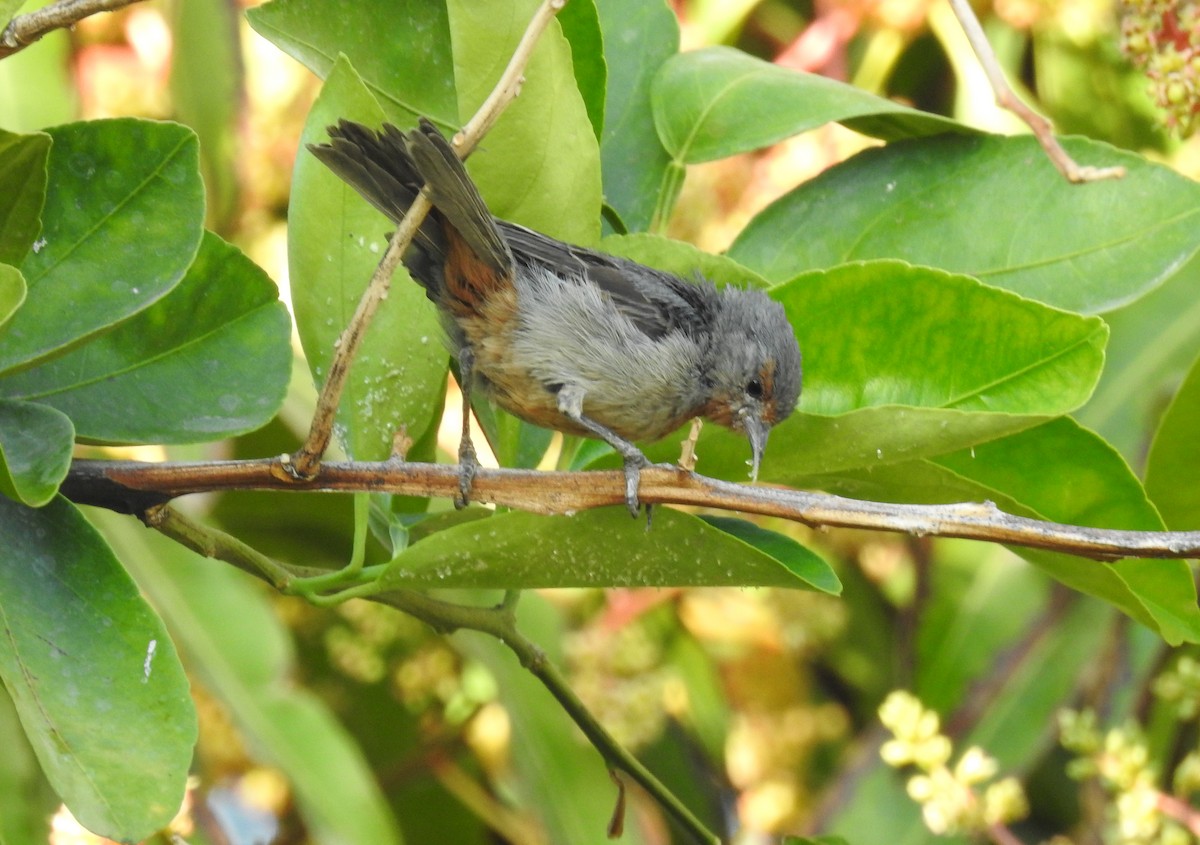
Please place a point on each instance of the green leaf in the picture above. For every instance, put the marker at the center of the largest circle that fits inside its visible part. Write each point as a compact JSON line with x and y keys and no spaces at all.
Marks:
{"x":95,"y":678}
{"x":12,"y":292}
{"x":1152,"y":346}
{"x":35,"y":451}
{"x":235,"y":643}
{"x":682,"y":259}
{"x":540,"y":164}
{"x":1064,"y":473}
{"x":994,"y":208}
{"x":580,"y":22}
{"x":1175,"y":458}
{"x":527,"y":551}
{"x":211,"y":358}
{"x":335,"y":241}
{"x":400,"y":47}
{"x":894,"y":372}
{"x":22,"y":192}
{"x":122,"y":222}
{"x":914,"y":345}
{"x":806,"y":564}
{"x":718,"y":102}
{"x":638,"y":37}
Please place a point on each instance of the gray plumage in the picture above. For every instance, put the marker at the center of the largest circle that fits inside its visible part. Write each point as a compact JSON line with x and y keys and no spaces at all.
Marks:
{"x":568,"y":337}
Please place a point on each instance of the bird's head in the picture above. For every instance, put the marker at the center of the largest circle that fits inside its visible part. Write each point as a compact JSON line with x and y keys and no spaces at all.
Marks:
{"x":755,"y":369}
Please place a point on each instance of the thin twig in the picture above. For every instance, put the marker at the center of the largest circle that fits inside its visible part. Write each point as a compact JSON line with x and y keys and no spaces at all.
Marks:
{"x":1007,"y":99}
{"x":130,"y":486}
{"x":307,"y":459}
{"x":23,"y":30}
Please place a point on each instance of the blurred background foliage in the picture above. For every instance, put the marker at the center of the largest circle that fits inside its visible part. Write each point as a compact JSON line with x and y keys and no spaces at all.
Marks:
{"x":757,"y":706}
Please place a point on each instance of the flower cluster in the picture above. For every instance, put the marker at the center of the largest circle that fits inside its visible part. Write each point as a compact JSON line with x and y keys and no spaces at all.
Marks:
{"x":950,"y":799}
{"x":1162,"y":38}
{"x":1120,"y":759}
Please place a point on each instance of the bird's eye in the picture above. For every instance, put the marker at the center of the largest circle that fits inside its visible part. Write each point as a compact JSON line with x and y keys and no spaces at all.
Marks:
{"x":755,"y":389}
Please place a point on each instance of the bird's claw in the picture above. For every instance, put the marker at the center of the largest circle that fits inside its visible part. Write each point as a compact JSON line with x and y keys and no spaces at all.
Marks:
{"x":468,"y":465}
{"x":633,"y":478}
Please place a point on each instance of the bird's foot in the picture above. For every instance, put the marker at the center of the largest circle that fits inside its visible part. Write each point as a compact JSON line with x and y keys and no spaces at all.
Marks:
{"x":468,"y":465}
{"x":634,"y":462}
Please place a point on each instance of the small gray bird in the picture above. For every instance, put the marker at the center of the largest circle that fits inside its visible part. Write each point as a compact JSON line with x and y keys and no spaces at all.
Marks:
{"x":564,"y":337}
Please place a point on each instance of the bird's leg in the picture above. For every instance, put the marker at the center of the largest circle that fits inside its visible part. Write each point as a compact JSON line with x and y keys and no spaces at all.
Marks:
{"x":468,"y":462}
{"x":570,"y":403}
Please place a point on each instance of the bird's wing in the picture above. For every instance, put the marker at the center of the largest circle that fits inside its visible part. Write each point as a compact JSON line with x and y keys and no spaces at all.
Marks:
{"x":656,"y":302}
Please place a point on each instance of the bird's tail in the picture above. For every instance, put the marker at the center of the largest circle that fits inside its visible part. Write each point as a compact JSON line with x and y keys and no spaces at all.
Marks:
{"x":388,"y":167}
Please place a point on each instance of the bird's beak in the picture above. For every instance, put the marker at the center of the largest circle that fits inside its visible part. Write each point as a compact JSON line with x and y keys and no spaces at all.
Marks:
{"x":756,"y":431}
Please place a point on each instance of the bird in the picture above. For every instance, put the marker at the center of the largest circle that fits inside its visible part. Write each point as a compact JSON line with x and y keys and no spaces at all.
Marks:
{"x":565,"y":337}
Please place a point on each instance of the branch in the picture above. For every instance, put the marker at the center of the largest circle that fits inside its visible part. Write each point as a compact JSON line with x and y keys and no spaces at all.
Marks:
{"x":23,"y":30}
{"x":117,"y":484}
{"x":1007,"y":99}
{"x":307,"y":459}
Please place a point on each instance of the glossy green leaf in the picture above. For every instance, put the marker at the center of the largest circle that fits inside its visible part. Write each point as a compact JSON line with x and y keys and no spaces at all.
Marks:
{"x":936,"y":340}
{"x":994,"y":208}
{"x":22,"y":192}
{"x":233,"y":640}
{"x":800,"y":560}
{"x":95,"y":678}
{"x":639,"y":35}
{"x":12,"y":292}
{"x":540,"y":164}
{"x":210,"y":359}
{"x":718,"y":102}
{"x":35,"y":450}
{"x":1153,"y":344}
{"x":122,"y":222}
{"x":580,"y":22}
{"x":1061,"y":472}
{"x":206,"y":81}
{"x":335,"y":241}
{"x":682,"y":259}
{"x":1174,"y":461}
{"x":401,"y":49}
{"x":895,"y":371}
{"x":526,"y":551}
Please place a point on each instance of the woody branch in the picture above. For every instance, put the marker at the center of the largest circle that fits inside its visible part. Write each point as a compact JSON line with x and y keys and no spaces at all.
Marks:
{"x":132,"y":487}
